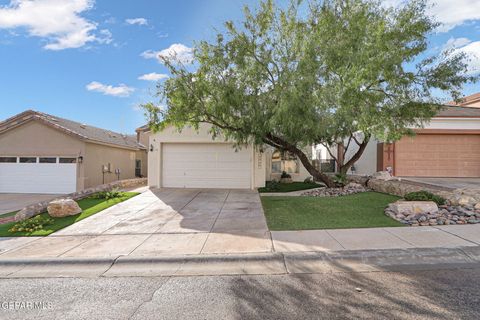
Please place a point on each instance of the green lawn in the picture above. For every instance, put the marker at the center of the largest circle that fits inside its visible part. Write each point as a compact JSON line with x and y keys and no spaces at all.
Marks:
{"x":89,"y":206}
{"x":294,"y":186}
{"x":361,"y":210}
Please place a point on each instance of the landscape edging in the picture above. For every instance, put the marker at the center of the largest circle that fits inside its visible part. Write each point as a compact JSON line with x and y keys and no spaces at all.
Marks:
{"x":37,"y":208}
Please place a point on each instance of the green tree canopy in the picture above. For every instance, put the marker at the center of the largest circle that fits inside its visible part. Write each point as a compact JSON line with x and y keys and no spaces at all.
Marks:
{"x":313,"y":73}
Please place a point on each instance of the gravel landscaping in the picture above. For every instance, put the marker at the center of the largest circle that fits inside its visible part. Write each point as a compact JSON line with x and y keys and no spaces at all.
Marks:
{"x":351,"y":188}
{"x":446,"y":215}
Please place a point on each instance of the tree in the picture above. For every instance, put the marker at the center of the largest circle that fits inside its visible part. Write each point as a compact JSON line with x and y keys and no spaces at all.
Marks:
{"x":313,"y":73}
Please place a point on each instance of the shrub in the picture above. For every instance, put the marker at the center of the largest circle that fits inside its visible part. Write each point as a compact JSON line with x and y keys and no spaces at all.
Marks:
{"x":285,"y":175}
{"x":340,"y":179}
{"x":308,"y":180}
{"x":272,"y":186}
{"x":424,"y":196}
{"x":114,"y":193}
{"x":32,"y":224}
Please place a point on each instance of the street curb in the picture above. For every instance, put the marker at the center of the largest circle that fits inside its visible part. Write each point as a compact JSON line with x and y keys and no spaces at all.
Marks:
{"x":383,"y":256}
{"x":257,"y":263}
{"x":54,"y":261}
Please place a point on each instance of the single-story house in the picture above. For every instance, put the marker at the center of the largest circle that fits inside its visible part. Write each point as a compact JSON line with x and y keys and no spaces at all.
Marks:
{"x":192,"y":159}
{"x":448,"y":146}
{"x":41,"y":153}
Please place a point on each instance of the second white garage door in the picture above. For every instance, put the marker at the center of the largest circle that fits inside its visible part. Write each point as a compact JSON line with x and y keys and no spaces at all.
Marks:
{"x":205,"y":165}
{"x":38,"y":175}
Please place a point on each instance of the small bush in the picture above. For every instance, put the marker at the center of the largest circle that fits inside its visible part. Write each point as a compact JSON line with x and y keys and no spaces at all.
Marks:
{"x":272,"y":186}
{"x":424,"y":196}
{"x":340,"y":179}
{"x":32,"y":224}
{"x":114,"y":193}
{"x":285,"y":175}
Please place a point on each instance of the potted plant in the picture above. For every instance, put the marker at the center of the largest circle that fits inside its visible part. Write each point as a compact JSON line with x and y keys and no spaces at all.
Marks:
{"x":285,"y":178}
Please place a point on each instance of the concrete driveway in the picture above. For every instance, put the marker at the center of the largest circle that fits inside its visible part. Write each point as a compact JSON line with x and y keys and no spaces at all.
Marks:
{"x":449,"y":183}
{"x":16,"y":201}
{"x":164,"y":222}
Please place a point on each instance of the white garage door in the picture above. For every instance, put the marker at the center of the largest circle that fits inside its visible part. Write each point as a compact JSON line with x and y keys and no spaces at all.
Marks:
{"x":207,"y":165}
{"x":38,"y":175}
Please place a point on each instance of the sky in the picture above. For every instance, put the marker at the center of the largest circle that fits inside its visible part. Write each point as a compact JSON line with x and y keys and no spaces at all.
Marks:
{"x":95,"y":62}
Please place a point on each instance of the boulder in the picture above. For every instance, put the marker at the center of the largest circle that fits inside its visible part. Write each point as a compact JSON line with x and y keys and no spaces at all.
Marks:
{"x":382,"y":175}
{"x":63,"y":208}
{"x":408,"y":208}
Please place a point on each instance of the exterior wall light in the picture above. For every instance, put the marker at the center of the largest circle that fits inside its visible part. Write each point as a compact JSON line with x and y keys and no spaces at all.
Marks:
{"x":80,"y":159}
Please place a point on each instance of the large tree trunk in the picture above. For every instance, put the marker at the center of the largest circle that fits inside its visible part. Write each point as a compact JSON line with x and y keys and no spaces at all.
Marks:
{"x":282,"y":144}
{"x":318,"y":175}
{"x":343,"y":169}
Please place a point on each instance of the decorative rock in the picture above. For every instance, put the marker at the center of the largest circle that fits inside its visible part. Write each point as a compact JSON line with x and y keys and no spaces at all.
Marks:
{"x":477,"y":206}
{"x":466,"y":200}
{"x":450,"y":215}
{"x":382,"y":175}
{"x":416,"y":207}
{"x":63,"y":208}
{"x":350,"y":188}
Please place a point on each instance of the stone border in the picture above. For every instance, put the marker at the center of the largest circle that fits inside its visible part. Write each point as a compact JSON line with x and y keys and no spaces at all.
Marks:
{"x":468,"y":197}
{"x":37,"y":208}
{"x":400,"y":188}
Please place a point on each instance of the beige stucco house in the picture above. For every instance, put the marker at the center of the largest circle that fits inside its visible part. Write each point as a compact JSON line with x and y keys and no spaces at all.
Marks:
{"x":193,"y":159}
{"x":41,"y":153}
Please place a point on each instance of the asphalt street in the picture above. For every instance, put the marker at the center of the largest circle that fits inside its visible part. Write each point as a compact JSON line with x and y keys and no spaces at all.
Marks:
{"x":433,"y":294}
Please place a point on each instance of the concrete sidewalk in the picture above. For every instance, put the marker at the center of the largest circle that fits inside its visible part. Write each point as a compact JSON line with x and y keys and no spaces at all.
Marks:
{"x":230,"y":242}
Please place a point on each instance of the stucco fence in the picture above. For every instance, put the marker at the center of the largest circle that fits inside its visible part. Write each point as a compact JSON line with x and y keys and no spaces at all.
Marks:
{"x":463,"y":196}
{"x":37,"y":208}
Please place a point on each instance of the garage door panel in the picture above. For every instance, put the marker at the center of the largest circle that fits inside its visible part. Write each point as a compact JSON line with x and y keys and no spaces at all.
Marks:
{"x":209,"y":165}
{"x":435,"y":155}
{"x":38,"y":178}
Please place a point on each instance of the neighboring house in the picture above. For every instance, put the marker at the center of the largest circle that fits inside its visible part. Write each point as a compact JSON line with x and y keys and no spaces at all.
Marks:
{"x":141,"y":164}
{"x":449,"y":146}
{"x":41,"y":153}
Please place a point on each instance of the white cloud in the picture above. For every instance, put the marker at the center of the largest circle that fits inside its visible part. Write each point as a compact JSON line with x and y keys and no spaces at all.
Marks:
{"x":177,"y":52}
{"x":153,"y":76}
{"x":448,"y":12}
{"x":121,"y":90}
{"x":58,"y":21}
{"x":454,"y":43}
{"x":139,"y":21}
{"x":472,"y":50}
